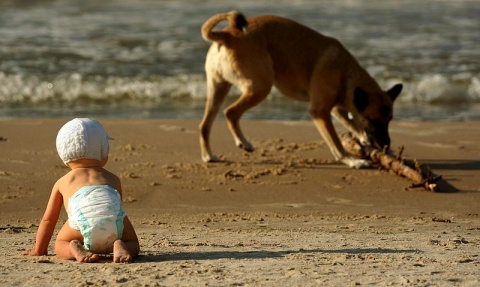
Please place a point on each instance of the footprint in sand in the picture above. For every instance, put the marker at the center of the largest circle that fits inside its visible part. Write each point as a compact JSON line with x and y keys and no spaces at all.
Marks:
{"x":441,"y":145}
{"x":169,"y":128}
{"x":337,"y":200}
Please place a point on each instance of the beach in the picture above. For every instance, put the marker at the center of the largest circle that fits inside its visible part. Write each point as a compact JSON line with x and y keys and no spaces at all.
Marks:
{"x":284,"y":215}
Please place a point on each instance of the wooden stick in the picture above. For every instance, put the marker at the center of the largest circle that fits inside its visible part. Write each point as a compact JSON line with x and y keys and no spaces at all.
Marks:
{"x":419,"y":174}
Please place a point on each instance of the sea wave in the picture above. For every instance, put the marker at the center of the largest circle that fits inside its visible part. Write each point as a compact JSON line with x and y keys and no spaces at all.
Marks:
{"x":439,"y":89}
{"x":18,"y":89}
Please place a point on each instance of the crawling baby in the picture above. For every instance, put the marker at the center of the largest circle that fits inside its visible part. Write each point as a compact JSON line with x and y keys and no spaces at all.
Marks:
{"x":92,"y":196}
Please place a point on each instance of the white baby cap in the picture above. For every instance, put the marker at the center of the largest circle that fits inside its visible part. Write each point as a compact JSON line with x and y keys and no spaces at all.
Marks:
{"x":82,"y":138}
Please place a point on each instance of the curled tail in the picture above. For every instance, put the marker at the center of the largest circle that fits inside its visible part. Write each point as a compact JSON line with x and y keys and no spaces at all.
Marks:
{"x":236,"y":20}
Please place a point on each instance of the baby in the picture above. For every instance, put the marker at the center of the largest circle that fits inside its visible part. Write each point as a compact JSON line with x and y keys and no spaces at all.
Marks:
{"x":92,"y":196}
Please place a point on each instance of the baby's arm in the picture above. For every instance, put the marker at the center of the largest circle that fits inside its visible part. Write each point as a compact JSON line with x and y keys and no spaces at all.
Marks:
{"x":47,"y":225}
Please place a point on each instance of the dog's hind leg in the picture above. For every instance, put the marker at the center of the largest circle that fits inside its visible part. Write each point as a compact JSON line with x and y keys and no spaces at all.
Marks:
{"x":216,"y":93}
{"x":252,"y":94}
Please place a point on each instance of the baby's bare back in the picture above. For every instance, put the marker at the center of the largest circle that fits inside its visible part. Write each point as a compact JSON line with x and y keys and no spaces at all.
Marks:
{"x":84,"y":175}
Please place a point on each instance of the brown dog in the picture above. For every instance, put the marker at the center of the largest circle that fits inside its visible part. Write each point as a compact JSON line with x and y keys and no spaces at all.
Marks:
{"x":257,"y":53}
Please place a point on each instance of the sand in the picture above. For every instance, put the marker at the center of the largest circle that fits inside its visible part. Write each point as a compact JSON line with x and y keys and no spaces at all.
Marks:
{"x":284,"y":215}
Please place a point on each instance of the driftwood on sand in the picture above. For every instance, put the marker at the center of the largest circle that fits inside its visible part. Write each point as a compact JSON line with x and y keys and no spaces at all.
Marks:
{"x":419,"y":174}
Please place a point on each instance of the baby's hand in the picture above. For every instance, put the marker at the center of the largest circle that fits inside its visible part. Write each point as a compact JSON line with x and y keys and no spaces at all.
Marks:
{"x":31,"y":252}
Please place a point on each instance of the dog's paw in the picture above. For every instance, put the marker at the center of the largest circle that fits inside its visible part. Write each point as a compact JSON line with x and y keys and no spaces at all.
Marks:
{"x":356,"y":163}
{"x":210,"y":158}
{"x":245,"y":146}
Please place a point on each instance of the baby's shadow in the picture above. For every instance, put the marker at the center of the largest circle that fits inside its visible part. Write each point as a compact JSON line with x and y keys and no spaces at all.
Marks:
{"x":156,"y":256}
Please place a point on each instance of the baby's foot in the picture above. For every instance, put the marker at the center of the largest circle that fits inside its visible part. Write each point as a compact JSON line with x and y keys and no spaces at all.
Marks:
{"x":120,"y":252}
{"x":81,"y":254}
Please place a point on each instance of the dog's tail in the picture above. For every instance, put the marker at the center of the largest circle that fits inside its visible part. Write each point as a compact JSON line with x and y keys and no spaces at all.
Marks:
{"x":236,"y":20}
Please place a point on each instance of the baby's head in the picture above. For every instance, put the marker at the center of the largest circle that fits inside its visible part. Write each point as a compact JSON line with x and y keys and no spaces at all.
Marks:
{"x":82,"y":138}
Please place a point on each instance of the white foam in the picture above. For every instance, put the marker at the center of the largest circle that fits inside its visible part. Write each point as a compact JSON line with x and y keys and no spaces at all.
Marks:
{"x":474,"y":89}
{"x":432,"y":88}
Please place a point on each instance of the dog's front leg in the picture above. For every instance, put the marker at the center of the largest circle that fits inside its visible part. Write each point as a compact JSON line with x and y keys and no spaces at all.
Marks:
{"x":324,"y":124}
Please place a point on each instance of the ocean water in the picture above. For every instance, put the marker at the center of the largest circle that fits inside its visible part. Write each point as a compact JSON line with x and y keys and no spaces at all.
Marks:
{"x":145,"y":58}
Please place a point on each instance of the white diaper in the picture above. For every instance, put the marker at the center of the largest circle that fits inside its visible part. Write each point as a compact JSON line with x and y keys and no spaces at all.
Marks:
{"x":98,"y":213}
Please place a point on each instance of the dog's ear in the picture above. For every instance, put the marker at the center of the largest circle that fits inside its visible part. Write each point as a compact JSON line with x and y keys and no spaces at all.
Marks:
{"x":395,"y":91}
{"x":360,"y":99}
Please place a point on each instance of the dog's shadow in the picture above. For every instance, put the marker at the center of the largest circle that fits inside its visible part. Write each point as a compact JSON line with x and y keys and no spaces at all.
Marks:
{"x":156,"y":256}
{"x":445,"y":184}
{"x":452,"y":164}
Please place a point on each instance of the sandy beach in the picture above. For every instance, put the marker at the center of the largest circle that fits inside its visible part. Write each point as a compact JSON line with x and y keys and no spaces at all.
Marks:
{"x":285,"y":215}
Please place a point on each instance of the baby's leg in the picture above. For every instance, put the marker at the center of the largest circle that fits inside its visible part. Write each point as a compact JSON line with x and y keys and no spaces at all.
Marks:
{"x":126,"y":249}
{"x":80,"y":253}
{"x":68,"y":245}
{"x":121,"y":253}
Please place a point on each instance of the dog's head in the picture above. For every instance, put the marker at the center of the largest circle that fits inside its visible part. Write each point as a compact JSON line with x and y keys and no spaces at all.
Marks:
{"x":375,"y":112}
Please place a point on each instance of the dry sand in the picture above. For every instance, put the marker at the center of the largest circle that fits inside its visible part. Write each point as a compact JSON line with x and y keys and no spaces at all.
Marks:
{"x":284,"y":215}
